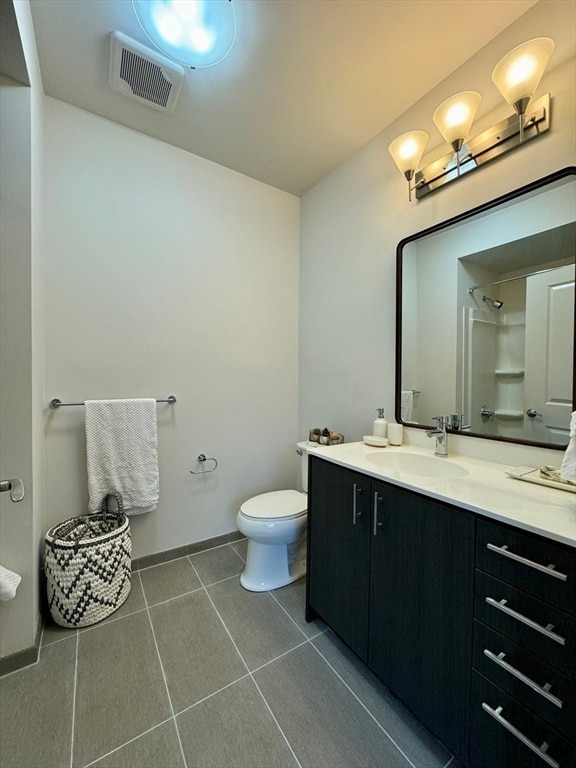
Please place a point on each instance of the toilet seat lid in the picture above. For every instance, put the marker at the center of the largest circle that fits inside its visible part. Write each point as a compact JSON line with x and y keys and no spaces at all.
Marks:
{"x":274,"y":505}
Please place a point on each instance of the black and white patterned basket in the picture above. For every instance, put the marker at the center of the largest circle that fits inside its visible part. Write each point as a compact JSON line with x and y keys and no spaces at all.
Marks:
{"x":88,"y":565}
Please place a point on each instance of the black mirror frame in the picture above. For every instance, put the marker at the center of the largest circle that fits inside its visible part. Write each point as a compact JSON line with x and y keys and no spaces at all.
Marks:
{"x":509,"y":196}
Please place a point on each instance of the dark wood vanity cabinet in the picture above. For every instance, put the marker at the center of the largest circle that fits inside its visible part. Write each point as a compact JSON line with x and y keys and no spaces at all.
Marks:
{"x":472,"y":623}
{"x":391,"y":572}
{"x":523,"y":705}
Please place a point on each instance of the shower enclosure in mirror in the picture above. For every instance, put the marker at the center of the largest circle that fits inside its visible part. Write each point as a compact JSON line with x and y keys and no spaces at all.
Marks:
{"x":485,"y":317}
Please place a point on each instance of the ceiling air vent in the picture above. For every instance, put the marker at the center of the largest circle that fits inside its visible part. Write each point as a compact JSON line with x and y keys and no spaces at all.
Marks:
{"x":143,"y":75}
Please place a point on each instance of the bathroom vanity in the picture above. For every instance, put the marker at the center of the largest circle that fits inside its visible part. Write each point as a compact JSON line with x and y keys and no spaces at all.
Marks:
{"x":437,"y":574}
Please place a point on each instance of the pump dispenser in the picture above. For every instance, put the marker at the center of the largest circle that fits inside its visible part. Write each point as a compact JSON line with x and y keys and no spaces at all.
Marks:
{"x":380,"y":428}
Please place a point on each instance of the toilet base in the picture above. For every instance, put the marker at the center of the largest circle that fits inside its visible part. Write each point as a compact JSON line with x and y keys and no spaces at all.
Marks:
{"x":268,"y":567}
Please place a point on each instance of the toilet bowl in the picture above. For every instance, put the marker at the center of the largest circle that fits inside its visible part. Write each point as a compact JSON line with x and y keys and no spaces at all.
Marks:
{"x":275,"y":525}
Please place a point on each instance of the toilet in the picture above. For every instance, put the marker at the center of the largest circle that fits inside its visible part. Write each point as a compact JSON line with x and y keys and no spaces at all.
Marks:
{"x":275,"y":526}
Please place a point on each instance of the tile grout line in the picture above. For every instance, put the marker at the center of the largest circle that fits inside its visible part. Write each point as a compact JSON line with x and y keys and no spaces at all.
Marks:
{"x":211,"y":695}
{"x":49,"y":645}
{"x":277,"y":658}
{"x":320,"y":632}
{"x":235,"y":550}
{"x":298,"y":763}
{"x":73,"y":723}
{"x":130,"y":741}
{"x":163,"y":675}
{"x":359,"y":700}
{"x":273,"y":716}
{"x":204,"y":587}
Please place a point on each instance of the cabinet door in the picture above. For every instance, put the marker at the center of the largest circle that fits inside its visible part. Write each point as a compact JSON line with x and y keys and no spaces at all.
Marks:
{"x":421,"y":584}
{"x":338,"y":550}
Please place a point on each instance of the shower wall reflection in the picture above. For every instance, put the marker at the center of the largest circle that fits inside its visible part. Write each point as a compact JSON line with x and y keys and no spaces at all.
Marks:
{"x":500,"y":375}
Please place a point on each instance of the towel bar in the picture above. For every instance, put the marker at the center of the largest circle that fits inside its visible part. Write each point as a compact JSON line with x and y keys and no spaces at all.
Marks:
{"x":55,"y":403}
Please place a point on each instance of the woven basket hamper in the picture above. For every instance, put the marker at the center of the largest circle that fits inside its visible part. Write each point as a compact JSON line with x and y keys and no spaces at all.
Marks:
{"x":88,"y":565}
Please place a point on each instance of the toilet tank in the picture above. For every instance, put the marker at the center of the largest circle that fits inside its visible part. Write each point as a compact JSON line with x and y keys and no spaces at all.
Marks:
{"x":302,"y":449}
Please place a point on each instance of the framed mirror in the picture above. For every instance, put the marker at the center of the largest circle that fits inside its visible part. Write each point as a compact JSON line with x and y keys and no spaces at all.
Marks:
{"x":485,"y":317}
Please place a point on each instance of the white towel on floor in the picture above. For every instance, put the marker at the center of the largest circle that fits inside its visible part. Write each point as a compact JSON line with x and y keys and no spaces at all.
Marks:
{"x":568,"y":466}
{"x":122,"y":453}
{"x":9,"y":582}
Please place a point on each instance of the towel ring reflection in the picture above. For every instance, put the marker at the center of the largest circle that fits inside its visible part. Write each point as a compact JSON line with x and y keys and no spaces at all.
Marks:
{"x":202,"y":458}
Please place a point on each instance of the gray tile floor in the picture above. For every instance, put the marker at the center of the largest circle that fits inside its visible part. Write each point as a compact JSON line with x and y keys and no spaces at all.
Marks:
{"x":195,"y":672}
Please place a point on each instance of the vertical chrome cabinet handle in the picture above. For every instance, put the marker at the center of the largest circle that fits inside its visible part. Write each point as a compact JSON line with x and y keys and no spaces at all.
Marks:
{"x":15,"y":486}
{"x":355,"y":511}
{"x":549,"y":569}
{"x":540,"y":751}
{"x":543,"y":690}
{"x":547,"y":630}
{"x":377,"y":500}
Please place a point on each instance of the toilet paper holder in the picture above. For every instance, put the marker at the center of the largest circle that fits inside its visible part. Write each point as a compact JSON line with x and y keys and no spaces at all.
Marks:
{"x":202,"y":459}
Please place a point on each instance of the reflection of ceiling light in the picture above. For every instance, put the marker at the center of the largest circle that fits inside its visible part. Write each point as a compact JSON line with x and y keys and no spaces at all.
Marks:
{"x":196,"y":33}
{"x":516,"y":76}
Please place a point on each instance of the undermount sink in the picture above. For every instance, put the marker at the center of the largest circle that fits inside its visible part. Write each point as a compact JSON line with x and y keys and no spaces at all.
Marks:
{"x":416,"y":464}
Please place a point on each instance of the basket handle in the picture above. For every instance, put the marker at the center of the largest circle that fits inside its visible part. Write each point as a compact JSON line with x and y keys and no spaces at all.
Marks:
{"x":108,"y":513}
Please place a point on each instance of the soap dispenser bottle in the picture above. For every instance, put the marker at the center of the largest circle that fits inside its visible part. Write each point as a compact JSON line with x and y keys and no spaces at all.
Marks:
{"x":380,"y":428}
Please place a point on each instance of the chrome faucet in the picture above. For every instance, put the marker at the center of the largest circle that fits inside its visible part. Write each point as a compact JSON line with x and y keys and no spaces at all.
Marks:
{"x":454,"y":421}
{"x":441,"y":447}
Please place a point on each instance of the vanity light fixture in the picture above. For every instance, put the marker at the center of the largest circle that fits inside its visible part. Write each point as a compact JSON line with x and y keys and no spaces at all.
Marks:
{"x":195,"y":33}
{"x":407,"y":151}
{"x":516,"y":76}
{"x":454,"y":118}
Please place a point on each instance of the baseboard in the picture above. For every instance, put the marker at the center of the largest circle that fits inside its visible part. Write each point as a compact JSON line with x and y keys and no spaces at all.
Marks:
{"x":187,"y":549}
{"x":24,"y":658}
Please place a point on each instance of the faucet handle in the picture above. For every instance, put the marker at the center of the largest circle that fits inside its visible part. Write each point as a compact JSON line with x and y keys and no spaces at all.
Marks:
{"x":456,"y":422}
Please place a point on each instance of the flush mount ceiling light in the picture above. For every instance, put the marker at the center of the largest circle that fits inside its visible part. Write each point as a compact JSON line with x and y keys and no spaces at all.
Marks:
{"x":516,"y":76}
{"x":196,"y":33}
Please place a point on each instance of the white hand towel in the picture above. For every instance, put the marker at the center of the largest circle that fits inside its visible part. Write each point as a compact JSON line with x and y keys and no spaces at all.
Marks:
{"x":122,"y":453}
{"x":568,"y":466}
{"x":406,"y":404}
{"x":9,"y":582}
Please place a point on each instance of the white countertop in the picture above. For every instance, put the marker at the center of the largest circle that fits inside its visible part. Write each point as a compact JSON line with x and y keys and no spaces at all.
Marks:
{"x":486,"y":489}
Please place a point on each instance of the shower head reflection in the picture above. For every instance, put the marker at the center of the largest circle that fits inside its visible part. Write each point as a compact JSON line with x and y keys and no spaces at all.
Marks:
{"x":493,"y":302}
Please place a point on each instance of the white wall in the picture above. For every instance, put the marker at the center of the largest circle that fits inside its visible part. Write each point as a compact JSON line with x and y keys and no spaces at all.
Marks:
{"x":353,"y":220}
{"x":168,"y":274}
{"x":16,"y":520}
{"x":21,"y":342}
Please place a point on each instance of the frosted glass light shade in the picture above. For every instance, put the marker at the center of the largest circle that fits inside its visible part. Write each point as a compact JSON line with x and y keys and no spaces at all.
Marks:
{"x":195,"y":33}
{"x":407,"y":151}
{"x":454,"y":117}
{"x":518,"y":74}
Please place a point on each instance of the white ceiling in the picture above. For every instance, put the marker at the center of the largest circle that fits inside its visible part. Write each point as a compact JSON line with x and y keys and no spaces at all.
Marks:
{"x":307,"y":84}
